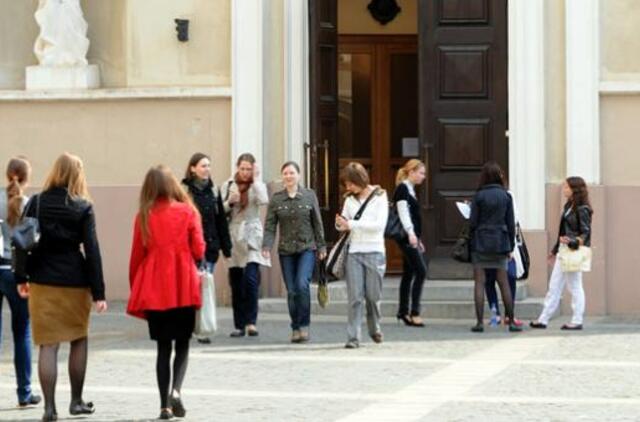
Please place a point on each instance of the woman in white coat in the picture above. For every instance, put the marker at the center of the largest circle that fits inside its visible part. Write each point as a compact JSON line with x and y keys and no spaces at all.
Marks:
{"x":244,"y":195}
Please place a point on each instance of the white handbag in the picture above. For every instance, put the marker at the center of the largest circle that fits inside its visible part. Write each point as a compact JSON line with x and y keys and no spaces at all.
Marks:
{"x":206,"y":317}
{"x":574,"y":260}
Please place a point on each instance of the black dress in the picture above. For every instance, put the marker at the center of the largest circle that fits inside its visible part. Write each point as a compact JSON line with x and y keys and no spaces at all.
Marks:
{"x":172,"y":324}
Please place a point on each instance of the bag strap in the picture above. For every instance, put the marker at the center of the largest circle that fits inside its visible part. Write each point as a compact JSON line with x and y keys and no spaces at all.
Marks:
{"x":28,"y":207}
{"x":364,"y":204}
{"x":226,"y":195}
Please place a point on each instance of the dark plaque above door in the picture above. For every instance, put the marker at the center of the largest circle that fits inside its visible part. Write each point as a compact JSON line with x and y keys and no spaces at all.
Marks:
{"x":384,"y":11}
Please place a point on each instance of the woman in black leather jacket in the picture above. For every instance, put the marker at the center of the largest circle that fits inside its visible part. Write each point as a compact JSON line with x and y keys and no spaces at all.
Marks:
{"x":574,"y":232}
{"x":492,"y":231}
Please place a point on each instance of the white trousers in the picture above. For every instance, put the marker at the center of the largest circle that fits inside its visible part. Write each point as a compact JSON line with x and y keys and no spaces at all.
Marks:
{"x":556,"y":286}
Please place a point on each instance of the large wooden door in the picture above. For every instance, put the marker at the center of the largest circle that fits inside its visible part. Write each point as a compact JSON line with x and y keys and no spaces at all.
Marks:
{"x":378,"y":109}
{"x":323,"y":85}
{"x":463,"y":105}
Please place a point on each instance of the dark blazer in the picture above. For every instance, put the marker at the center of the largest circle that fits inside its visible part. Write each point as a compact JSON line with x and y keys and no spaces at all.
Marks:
{"x":575,"y":224}
{"x":65,"y":224}
{"x":214,"y":221}
{"x":492,"y":223}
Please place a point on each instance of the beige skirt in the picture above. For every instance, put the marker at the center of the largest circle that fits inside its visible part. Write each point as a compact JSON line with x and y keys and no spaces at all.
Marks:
{"x":58,"y":314}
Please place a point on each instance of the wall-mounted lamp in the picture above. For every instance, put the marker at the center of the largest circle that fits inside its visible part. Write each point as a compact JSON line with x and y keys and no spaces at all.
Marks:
{"x":182,"y":28}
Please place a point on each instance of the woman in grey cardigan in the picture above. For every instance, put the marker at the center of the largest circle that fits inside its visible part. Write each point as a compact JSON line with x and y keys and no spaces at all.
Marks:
{"x":244,"y":195}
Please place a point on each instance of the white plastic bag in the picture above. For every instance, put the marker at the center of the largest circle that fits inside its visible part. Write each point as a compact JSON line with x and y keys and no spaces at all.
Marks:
{"x":206,"y":318}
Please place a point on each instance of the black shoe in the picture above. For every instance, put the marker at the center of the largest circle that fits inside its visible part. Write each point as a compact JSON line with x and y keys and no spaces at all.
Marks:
{"x":177,"y":407}
{"x":32,"y":401}
{"x":352,"y":344}
{"x":252,"y":331}
{"x":81,"y":408}
{"x":478,"y":328}
{"x":406,"y":319}
{"x":204,"y":340}
{"x":377,"y":338}
{"x":416,"y":321}
{"x":571,"y":327}
{"x":165,"y":414}
{"x":537,"y":325}
{"x":237,"y":333}
{"x":49,"y":416}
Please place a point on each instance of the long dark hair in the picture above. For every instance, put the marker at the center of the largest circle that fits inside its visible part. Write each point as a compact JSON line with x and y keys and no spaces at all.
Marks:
{"x":193,"y":161}
{"x":17,"y":175}
{"x":491,"y":174}
{"x":580,"y":194}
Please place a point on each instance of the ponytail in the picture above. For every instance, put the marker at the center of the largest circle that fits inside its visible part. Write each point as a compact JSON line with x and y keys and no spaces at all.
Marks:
{"x":18,"y":175}
{"x":409,"y":166}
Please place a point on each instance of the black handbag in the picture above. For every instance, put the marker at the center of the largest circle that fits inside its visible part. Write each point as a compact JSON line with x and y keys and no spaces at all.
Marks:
{"x":524,"y":252}
{"x":24,"y":239}
{"x":461,"y":251}
{"x":320,"y":277}
{"x":394,"y":229}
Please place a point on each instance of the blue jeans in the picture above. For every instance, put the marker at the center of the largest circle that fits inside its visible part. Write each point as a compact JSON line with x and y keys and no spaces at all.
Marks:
{"x":21,"y":333}
{"x":490,"y":278}
{"x":244,"y":294}
{"x":297,"y":270}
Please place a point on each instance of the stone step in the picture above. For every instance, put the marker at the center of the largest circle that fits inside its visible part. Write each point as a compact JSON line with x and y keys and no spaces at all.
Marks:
{"x":448,"y":269}
{"x":526,"y":309}
{"x":433,"y":290}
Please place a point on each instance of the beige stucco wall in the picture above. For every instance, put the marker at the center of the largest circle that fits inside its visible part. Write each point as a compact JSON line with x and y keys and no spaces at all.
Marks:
{"x":156,"y":57}
{"x":620,"y":20}
{"x":354,"y":18}
{"x":555,"y":88}
{"x":133,"y":41}
{"x":118,"y":140}
{"x":16,"y":41}
{"x":620,"y":140}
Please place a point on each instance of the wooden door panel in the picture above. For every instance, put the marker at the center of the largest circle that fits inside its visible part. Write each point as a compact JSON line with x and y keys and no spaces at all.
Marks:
{"x":463,"y":105}
{"x":323,"y":86}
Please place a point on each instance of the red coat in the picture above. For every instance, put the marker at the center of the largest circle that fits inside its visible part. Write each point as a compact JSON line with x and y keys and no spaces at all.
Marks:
{"x":163,"y":273}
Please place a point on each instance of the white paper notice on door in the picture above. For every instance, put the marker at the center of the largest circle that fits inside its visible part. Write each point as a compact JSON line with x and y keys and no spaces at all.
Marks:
{"x":465,"y":209}
{"x":410,"y":147}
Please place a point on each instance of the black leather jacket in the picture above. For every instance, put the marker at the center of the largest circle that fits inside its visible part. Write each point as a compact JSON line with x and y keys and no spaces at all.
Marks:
{"x":492,"y":222}
{"x":65,"y":224}
{"x":575,"y":224}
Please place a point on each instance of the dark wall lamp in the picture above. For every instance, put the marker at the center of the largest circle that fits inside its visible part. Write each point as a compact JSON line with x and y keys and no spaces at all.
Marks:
{"x":182,"y":28}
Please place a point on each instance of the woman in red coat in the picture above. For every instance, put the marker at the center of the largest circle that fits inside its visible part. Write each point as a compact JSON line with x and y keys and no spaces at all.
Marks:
{"x":165,"y":286}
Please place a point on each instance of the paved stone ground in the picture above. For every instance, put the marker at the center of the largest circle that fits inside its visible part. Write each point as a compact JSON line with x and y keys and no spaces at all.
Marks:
{"x":439,"y":373}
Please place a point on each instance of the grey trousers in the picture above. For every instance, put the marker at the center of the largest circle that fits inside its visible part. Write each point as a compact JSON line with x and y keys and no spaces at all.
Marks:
{"x":364,"y":272}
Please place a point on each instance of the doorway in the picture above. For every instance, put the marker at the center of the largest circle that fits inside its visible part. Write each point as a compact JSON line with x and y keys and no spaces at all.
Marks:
{"x":378,"y":109}
{"x":461,"y":111}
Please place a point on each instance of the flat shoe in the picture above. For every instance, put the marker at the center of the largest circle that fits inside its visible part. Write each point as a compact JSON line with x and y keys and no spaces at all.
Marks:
{"x":252,"y":332}
{"x":377,"y":338}
{"x":165,"y":414}
{"x":514,"y":328}
{"x":237,"y":333}
{"x":204,"y":340}
{"x":352,"y":344}
{"x":570,"y":327}
{"x":49,"y":416}
{"x":538,"y":325}
{"x":177,"y":407}
{"x":32,"y":401}
{"x":478,"y":328}
{"x":82,"y":408}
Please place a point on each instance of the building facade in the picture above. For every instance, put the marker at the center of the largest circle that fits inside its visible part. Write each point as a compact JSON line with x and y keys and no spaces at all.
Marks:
{"x":549,"y":88}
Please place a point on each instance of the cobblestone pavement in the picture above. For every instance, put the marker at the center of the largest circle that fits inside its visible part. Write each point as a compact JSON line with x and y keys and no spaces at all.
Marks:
{"x":438,"y":373}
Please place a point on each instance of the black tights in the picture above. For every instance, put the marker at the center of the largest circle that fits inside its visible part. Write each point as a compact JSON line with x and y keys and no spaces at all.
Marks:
{"x":48,"y":371}
{"x":163,"y":368}
{"x":505,"y":292}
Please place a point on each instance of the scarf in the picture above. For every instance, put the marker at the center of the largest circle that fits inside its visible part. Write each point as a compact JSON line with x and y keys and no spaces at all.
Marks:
{"x":243,"y":189}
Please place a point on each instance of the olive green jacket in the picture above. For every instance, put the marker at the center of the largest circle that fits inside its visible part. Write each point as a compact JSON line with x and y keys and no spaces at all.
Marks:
{"x":300,"y":222}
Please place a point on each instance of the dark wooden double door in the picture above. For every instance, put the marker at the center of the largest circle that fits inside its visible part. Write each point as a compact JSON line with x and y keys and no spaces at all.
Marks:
{"x":372,"y":96}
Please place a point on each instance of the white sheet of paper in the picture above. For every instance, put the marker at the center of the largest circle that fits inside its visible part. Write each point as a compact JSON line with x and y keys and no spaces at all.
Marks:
{"x":464,"y":209}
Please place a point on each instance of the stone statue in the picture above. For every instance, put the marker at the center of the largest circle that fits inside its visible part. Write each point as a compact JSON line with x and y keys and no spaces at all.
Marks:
{"x":63,"y":38}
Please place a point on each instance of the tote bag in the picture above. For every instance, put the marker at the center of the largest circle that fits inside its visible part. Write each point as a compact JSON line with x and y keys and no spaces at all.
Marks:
{"x":206,"y":318}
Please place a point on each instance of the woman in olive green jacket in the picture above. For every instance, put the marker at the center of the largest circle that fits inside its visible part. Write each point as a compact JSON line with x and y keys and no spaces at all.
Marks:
{"x":296,"y":210}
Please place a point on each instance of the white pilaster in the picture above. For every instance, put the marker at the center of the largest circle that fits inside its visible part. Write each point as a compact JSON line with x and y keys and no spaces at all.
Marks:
{"x":527,"y":155}
{"x":583,"y":102}
{"x":247,"y":78}
{"x":296,"y":79}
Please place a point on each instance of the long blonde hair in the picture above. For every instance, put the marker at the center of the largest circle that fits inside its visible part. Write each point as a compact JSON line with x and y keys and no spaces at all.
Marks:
{"x":159,"y":183}
{"x":411,"y":165}
{"x":68,"y":172}
{"x":18,"y":171}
